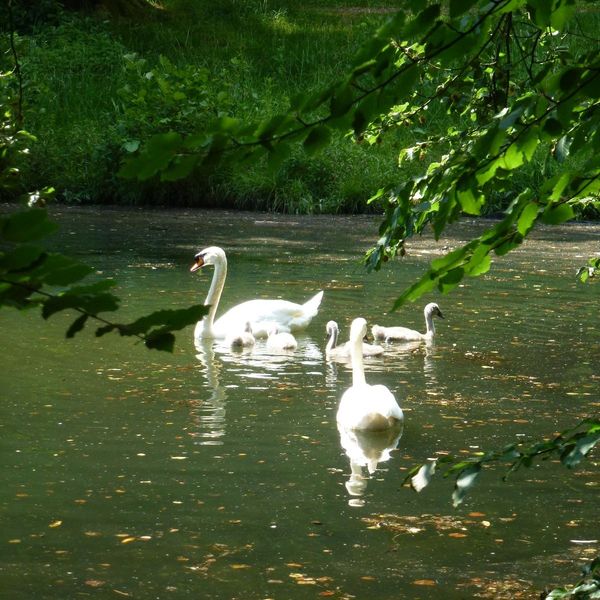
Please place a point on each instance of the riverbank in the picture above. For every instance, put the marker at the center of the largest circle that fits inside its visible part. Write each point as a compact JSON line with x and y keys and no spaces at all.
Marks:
{"x":96,"y":86}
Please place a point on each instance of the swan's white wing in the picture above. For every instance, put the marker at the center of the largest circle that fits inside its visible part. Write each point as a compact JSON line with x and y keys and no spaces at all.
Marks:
{"x":402,"y":334}
{"x":262,"y":315}
{"x":368,"y":407}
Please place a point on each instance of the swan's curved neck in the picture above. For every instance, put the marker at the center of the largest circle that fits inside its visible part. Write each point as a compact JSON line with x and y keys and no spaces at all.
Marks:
{"x":332,"y":341}
{"x":214,"y":293}
{"x":429,"y":323}
{"x":358,"y":368}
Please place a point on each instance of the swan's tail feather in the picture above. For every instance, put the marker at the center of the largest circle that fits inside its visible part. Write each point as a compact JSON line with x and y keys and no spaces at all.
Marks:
{"x":311,"y":308}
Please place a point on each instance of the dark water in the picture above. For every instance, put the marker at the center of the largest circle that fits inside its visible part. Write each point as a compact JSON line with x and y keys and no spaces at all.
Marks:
{"x":211,"y":474}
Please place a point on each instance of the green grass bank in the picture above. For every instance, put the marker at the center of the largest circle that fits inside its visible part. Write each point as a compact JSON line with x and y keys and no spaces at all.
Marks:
{"x":97,"y":84}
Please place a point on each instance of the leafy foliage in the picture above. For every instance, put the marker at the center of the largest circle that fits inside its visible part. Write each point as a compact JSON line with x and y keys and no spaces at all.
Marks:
{"x":570,"y":446}
{"x":518,"y":90}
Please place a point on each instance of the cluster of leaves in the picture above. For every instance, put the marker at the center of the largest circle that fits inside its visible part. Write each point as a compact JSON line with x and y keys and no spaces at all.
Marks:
{"x":571,"y":446}
{"x":586,"y":589}
{"x":166,"y":97}
{"x":503,"y":66}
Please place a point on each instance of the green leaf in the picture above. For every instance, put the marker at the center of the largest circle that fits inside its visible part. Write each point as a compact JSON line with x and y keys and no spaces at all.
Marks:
{"x":317,"y":138}
{"x":451,"y":280}
{"x":556,"y":214}
{"x":527,"y":218}
{"x":575,"y":454}
{"x":27,"y":226}
{"x":464,"y":482}
{"x":58,"y":269}
{"x":561,"y":15}
{"x":21,"y":258}
{"x":512,"y":158}
{"x":470,"y":201}
{"x":459,"y":7}
{"x":423,"y":477}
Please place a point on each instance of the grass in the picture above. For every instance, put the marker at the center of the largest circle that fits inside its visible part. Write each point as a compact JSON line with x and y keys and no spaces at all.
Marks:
{"x":84,"y":100}
{"x":258,"y":55}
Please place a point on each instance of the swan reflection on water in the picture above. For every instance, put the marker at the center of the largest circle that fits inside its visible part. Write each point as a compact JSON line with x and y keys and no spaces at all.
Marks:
{"x":210,"y":415}
{"x":366,"y":449}
{"x":223,"y":367}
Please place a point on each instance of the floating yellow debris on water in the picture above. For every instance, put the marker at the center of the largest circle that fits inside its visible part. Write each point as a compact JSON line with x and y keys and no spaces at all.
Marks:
{"x":127,"y":540}
{"x":55,"y":524}
{"x":457,"y":535}
{"x":179,"y":457}
{"x":240,"y":566}
{"x":15,"y":541}
{"x":429,"y":582}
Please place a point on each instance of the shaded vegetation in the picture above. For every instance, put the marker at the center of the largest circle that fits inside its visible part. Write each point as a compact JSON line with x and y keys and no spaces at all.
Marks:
{"x":95,"y":87}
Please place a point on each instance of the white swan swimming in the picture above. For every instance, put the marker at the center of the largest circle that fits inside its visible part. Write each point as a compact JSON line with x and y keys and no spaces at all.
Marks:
{"x":364,"y":406}
{"x":404,"y":334}
{"x":244,"y":339}
{"x":343,"y":350}
{"x":262,"y":314}
{"x":281,"y":340}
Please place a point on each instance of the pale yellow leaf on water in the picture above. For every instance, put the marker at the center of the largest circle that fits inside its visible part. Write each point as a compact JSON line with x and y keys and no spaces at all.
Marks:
{"x":240,"y":566}
{"x":92,"y":533}
{"x":476,"y":514}
{"x":294,"y":565}
{"x":127,"y":540}
{"x":368,"y":578}
{"x":178,"y":457}
{"x":94,"y":582}
{"x":430,"y":582}
{"x":457,"y":535}
{"x":15,"y":541}
{"x":55,"y":524}
{"x":486,"y":523}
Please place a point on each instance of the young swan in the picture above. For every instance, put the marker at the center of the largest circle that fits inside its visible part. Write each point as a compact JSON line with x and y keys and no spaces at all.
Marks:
{"x":343,"y":350}
{"x":281,"y":340}
{"x":404,"y":334}
{"x":363,"y":406}
{"x":245,"y":339}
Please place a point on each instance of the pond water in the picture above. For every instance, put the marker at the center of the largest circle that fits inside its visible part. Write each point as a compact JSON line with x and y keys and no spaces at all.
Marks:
{"x":220,"y":475}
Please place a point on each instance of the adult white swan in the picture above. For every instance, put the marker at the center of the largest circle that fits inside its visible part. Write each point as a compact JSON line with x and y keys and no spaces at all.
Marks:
{"x":261,"y":314}
{"x":404,"y":334}
{"x":363,"y":406}
{"x":342,"y":352}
